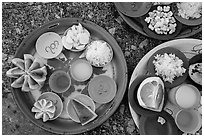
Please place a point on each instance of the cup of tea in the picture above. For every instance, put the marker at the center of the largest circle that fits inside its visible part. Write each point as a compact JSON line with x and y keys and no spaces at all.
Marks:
{"x":188,"y":120}
{"x":59,"y":81}
{"x":185,"y":96}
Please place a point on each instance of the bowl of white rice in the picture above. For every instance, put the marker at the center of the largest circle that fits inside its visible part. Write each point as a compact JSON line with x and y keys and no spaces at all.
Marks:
{"x":170,"y":64}
{"x":188,"y":13}
{"x":99,"y":53}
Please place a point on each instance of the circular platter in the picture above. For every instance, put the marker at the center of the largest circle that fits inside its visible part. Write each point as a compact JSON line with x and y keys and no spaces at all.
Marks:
{"x":190,"y":48}
{"x":116,"y":69}
{"x":137,"y":23}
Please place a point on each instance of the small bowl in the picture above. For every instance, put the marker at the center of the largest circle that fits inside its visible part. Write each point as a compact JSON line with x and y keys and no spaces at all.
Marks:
{"x":178,"y":80}
{"x":59,"y":81}
{"x":81,"y":70}
{"x":74,"y":48}
{"x":91,"y":60}
{"x":151,"y":125}
{"x":189,"y":22}
{"x":56,"y":100}
{"x":152,"y":33}
{"x":133,"y":9}
{"x":102,"y":89}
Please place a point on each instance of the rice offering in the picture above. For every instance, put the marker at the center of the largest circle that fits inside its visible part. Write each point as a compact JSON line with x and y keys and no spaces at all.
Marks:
{"x":168,"y":66}
{"x":99,"y":53}
{"x":189,"y":10}
{"x":161,"y":20}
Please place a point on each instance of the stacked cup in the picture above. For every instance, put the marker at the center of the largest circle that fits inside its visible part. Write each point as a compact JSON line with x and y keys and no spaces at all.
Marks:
{"x":187,"y":98}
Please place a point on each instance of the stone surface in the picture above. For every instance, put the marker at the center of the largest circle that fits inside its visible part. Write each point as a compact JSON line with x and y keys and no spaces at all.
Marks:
{"x":20,"y":19}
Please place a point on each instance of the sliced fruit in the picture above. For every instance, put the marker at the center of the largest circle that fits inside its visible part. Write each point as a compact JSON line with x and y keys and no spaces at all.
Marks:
{"x":150,"y":94}
{"x":28,"y":61}
{"x":18,"y":82}
{"x":102,"y":89}
{"x":14,"y":72}
{"x":195,"y":73}
{"x":19,"y":63}
{"x":84,"y":113}
{"x":84,"y":99}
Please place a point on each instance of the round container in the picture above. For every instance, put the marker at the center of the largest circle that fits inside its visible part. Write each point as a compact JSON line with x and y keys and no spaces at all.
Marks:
{"x":188,"y":121}
{"x":185,"y":96}
{"x":56,"y":100}
{"x":81,"y":70}
{"x":59,"y":81}
{"x":49,"y":45}
{"x":102,"y":89}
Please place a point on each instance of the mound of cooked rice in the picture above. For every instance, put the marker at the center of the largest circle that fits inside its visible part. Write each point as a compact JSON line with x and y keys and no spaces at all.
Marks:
{"x":168,"y":66}
{"x":190,"y":10}
{"x":99,"y":53}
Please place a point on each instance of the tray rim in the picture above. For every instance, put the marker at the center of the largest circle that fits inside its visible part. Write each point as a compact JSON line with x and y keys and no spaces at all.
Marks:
{"x":114,"y":105}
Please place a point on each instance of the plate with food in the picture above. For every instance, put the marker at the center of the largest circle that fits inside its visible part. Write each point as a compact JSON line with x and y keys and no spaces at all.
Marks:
{"x":148,"y":28}
{"x":189,"y":47}
{"x":188,"y":13}
{"x":159,"y":22}
{"x":170,"y":64}
{"x":56,"y":70}
{"x":133,"y":9}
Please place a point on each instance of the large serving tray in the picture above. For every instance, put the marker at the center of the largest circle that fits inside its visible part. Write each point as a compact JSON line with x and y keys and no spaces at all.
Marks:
{"x":190,"y":47}
{"x":118,"y":67}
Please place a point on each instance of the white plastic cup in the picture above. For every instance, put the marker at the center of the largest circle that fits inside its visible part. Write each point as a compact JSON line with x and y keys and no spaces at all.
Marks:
{"x":188,"y":120}
{"x":185,"y":96}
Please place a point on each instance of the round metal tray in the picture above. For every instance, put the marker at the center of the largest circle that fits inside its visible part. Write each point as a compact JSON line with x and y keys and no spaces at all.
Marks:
{"x":25,"y":100}
{"x":135,"y":23}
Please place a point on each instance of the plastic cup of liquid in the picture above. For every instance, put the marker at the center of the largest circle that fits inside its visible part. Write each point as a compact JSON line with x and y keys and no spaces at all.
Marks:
{"x":185,"y":96}
{"x":188,"y":120}
{"x":59,"y":81}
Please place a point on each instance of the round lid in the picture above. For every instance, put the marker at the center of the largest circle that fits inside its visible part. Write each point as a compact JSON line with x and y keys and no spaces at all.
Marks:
{"x":49,"y":45}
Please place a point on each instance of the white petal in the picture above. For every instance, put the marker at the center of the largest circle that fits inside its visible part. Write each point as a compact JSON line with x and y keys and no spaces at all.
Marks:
{"x":38,"y":115}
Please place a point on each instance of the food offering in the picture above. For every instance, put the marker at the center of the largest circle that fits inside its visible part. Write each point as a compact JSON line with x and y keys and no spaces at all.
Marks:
{"x":188,"y":13}
{"x":29,"y":73}
{"x":62,"y":75}
{"x":170,"y":64}
{"x":167,"y":107}
{"x":195,"y":69}
{"x":150,"y":94}
{"x":162,"y":20}
{"x":99,"y":53}
{"x":44,"y":109}
{"x":76,"y":38}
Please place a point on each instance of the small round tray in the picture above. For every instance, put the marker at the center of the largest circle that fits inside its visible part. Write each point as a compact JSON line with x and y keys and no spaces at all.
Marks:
{"x":117,"y":70}
{"x":136,"y":24}
{"x":190,"y":47}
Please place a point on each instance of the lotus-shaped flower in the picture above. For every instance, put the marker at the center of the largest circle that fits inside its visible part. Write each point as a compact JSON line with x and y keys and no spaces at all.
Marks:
{"x":44,"y":109}
{"x":30,"y":73}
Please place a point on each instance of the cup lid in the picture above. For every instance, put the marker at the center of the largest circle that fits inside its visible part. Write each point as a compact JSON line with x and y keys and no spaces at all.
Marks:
{"x":49,"y":45}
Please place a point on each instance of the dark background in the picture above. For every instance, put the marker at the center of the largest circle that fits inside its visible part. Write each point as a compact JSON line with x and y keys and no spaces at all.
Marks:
{"x":19,"y":19}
